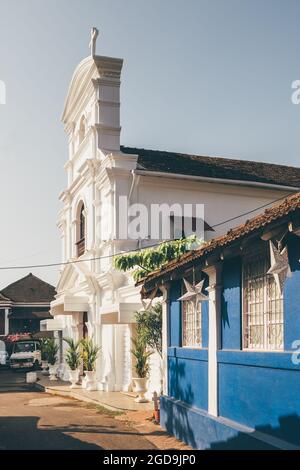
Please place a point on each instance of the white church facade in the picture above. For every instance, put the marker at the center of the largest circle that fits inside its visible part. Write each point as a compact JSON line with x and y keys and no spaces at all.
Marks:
{"x":93,"y":298}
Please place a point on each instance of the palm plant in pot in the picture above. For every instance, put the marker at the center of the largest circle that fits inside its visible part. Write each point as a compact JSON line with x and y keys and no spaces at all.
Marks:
{"x":73,"y":358}
{"x":44,"y":355}
{"x":89,"y":353}
{"x":141,"y":354}
{"x":52,"y":350}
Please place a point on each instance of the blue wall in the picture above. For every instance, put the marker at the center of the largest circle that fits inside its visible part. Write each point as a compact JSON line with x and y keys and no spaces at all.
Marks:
{"x":231,"y":305}
{"x":188,"y":379}
{"x":187,"y":367}
{"x":258,"y":390}
{"x":292,"y":295}
{"x":175,"y":314}
{"x":204,"y":316}
{"x":261,"y":390}
{"x":202,"y":431}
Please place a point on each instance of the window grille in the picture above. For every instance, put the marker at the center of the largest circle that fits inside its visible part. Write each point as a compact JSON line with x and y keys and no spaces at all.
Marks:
{"x":191,"y":324}
{"x":262,"y":307}
{"x":82,"y":224}
{"x":80,"y":244}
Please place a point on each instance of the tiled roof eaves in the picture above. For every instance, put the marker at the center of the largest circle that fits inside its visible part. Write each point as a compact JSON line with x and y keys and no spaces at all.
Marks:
{"x":216,"y":167}
{"x":288,"y":206}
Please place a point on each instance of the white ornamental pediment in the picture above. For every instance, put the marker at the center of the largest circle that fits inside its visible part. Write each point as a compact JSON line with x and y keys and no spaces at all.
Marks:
{"x":68,"y":278}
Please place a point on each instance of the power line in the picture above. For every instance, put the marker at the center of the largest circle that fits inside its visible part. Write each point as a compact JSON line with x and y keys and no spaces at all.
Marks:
{"x":253,"y":210}
{"x":65,"y":263}
{"x":51,"y":265}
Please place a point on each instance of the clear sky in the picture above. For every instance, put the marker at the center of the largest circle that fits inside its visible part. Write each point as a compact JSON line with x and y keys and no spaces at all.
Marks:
{"x":210,"y":77}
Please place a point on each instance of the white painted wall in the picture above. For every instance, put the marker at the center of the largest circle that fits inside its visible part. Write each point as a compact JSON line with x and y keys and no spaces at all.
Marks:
{"x":221,"y":201}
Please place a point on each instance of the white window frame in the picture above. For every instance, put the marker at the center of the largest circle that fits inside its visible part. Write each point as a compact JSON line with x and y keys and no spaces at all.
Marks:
{"x":265,"y":318}
{"x":188,"y":304}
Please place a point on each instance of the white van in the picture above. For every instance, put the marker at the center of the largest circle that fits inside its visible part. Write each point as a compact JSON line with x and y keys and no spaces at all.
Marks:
{"x":26,"y":354}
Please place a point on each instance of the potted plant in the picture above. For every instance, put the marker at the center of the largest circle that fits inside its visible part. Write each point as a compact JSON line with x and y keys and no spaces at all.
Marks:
{"x":44,"y":356}
{"x":149,"y":328}
{"x":141,"y":355}
{"x":72,"y":357}
{"x":89,"y":354}
{"x":52,"y":350}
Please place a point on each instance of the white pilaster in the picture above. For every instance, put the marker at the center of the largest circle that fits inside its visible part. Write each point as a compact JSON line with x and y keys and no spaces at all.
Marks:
{"x":76,"y":327}
{"x":108,"y":380}
{"x":214,"y":290}
{"x":165,"y":316}
{"x":127,"y":359}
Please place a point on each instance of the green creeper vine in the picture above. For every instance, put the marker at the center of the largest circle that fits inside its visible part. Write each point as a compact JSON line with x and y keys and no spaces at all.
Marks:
{"x":149,"y":259}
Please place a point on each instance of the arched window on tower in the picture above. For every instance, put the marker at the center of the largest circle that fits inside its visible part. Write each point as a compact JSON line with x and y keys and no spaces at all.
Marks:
{"x":82,"y":128}
{"x":80,"y":243}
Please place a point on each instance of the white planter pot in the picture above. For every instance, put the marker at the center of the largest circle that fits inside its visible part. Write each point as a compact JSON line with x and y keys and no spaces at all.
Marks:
{"x":65,"y":375}
{"x":31,"y":377}
{"x":45,"y":366}
{"x":140,"y":387}
{"x":60,"y":371}
{"x":89,"y":380}
{"x":52,"y":372}
{"x":73,"y":377}
{"x":83,"y":381}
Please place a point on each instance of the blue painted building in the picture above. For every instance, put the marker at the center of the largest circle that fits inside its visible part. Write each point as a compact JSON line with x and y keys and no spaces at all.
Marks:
{"x":232,"y":374}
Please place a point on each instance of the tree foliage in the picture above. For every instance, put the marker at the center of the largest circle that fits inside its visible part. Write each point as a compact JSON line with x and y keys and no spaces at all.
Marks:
{"x":149,"y":327}
{"x":149,"y":259}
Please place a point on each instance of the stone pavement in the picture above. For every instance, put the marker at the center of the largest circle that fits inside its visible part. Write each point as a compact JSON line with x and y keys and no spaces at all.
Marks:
{"x":118,"y":401}
{"x":34,"y":420}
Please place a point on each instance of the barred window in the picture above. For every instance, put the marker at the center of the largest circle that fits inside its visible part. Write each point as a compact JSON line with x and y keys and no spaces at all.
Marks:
{"x":262,"y":307}
{"x":80,"y":230}
{"x":191,"y":324}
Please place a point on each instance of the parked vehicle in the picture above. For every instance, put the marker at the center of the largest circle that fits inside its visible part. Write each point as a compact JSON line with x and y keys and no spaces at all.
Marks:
{"x":26,"y":354}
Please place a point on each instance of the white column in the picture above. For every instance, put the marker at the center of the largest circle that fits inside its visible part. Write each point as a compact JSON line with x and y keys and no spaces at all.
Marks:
{"x":107,"y":369}
{"x":97,"y":230}
{"x":122,"y":360}
{"x":6,"y":322}
{"x":214,"y":330}
{"x":69,"y":230}
{"x":93,"y":212}
{"x":112,"y":374}
{"x":127,"y":377}
{"x":165,"y":316}
{"x":98,"y":333}
{"x":76,"y":327}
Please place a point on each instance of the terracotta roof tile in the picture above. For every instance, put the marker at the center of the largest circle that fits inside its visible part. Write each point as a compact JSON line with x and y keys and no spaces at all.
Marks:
{"x":4,"y":299}
{"x":29,"y":289}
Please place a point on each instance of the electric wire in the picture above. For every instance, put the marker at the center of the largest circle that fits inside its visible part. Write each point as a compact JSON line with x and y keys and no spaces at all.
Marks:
{"x":75,"y":261}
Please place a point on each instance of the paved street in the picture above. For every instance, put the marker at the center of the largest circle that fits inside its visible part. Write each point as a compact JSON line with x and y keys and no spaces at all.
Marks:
{"x":35,"y":420}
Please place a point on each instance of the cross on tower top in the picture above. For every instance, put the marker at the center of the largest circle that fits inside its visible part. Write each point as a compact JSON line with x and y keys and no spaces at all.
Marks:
{"x":92,"y":44}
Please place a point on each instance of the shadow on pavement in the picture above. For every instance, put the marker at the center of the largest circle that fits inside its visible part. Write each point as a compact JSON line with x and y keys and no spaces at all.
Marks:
{"x":22,"y":433}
